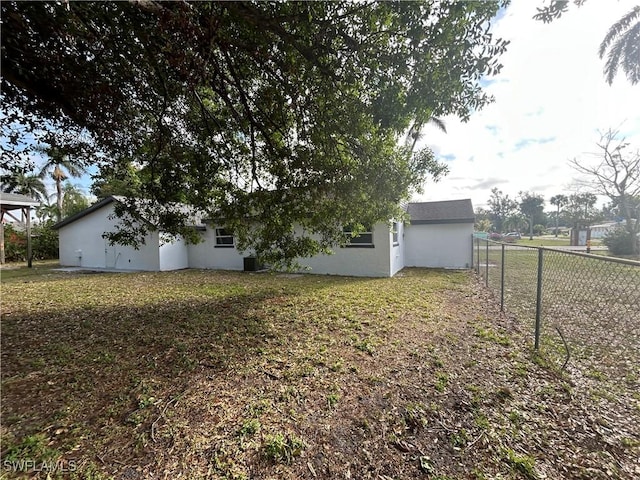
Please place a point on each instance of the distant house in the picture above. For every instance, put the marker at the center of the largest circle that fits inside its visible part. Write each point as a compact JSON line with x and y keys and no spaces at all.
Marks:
{"x":438,"y":235}
{"x":601,"y":230}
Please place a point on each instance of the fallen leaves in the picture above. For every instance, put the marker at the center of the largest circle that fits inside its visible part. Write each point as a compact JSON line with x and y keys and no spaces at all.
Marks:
{"x":228,"y":375}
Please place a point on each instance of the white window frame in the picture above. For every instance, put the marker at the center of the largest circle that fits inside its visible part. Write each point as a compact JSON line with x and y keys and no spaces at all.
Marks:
{"x":223,"y":234}
{"x":354,"y":242}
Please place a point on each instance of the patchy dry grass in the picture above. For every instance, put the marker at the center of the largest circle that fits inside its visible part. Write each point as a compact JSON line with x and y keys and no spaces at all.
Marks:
{"x":235,"y":376}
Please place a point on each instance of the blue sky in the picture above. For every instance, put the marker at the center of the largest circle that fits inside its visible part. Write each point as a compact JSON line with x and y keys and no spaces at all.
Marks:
{"x":551,"y":102}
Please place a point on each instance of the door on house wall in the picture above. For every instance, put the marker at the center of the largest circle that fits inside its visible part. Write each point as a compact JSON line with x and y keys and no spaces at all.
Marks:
{"x":110,"y":255}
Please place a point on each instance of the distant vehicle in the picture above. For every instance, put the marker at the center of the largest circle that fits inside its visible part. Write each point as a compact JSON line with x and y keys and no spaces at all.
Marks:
{"x":495,"y":236}
{"x":514,"y":235}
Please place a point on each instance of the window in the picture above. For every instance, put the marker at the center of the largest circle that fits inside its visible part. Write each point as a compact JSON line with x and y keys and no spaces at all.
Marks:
{"x":396,"y":228}
{"x":364,"y":239}
{"x":224,"y":238}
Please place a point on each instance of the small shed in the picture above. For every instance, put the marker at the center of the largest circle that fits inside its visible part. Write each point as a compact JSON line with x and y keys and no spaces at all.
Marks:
{"x":83,"y":243}
{"x":439,"y":234}
{"x":10,"y":204}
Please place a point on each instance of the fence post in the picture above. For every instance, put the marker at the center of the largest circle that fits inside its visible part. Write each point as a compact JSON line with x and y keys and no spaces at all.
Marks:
{"x":539,"y":301}
{"x":502,"y":280}
{"x":478,"y":255}
{"x":473,"y":260}
{"x":486,"y":268}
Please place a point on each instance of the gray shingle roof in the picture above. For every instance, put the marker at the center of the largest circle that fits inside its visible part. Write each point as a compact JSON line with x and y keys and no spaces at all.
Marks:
{"x":448,"y":211}
{"x":11,"y":201}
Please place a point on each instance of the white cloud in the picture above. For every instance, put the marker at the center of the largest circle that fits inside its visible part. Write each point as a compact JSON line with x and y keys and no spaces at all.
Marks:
{"x":551,"y":100}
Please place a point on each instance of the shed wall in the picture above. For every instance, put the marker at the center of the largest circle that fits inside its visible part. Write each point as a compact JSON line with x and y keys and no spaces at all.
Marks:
{"x":82,"y":245}
{"x":438,"y":245}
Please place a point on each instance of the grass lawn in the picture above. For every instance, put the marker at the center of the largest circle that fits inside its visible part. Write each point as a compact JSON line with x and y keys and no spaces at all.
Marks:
{"x":221,"y":375}
{"x":18,"y":270}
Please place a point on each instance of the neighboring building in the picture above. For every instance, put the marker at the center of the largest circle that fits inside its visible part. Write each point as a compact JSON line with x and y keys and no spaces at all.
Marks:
{"x":600,"y":231}
{"x":439,"y":235}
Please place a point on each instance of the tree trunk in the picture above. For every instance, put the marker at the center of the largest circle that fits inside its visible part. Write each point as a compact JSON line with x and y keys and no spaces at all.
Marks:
{"x":531,"y":227}
{"x":59,"y":199}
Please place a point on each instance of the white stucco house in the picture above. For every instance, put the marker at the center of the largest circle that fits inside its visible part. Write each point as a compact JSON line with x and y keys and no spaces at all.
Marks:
{"x":437,"y":235}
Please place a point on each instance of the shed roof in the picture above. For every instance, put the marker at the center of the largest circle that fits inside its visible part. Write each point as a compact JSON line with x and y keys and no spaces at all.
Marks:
{"x":85,"y":212}
{"x":195,"y":216}
{"x":447,"y":211}
{"x":13,"y":201}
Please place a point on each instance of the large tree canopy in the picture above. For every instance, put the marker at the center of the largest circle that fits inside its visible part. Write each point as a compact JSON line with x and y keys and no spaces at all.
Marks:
{"x":287,"y":113}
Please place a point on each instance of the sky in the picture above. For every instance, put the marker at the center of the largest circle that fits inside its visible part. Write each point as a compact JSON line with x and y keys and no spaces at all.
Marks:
{"x":551,"y":102}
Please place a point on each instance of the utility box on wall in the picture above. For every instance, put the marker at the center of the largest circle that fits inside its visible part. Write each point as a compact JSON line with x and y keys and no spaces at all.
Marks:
{"x":251,"y":264}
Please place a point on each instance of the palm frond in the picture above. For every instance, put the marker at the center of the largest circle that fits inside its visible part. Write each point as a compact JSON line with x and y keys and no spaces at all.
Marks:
{"x":439,"y":123}
{"x":631,"y":57}
{"x":613,"y":60}
{"x":617,"y":28}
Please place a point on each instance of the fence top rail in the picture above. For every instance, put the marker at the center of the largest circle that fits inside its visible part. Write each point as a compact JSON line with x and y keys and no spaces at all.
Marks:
{"x":602,"y":258}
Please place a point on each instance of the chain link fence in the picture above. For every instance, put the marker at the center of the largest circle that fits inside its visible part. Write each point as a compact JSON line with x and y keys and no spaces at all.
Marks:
{"x":584,"y":310}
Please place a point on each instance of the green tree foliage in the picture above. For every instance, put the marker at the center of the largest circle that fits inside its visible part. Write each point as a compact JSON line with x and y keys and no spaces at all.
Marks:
{"x":73,"y":200}
{"x":621,"y":242}
{"x":615,"y":173}
{"x":483,"y":220}
{"x":531,"y":206}
{"x":580,"y":210}
{"x":501,"y":207}
{"x":621,"y":44}
{"x":559,"y":201}
{"x":44,"y":242}
{"x":267,"y":114}
{"x":23,"y":183}
{"x":121,"y":179}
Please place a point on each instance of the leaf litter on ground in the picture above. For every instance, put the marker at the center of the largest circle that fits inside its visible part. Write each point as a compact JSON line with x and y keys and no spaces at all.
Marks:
{"x":228,"y":375}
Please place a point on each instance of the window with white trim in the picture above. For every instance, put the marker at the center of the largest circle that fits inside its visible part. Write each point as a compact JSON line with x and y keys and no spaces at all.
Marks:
{"x":394,"y":231}
{"x":363,"y":239}
{"x":224,"y":238}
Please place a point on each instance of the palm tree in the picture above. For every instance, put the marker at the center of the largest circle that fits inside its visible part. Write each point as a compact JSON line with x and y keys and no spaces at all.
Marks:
{"x":559,"y":201}
{"x":623,"y":44}
{"x":25,"y":184}
{"x":413,"y":135}
{"x":47,"y":212}
{"x":60,"y":166}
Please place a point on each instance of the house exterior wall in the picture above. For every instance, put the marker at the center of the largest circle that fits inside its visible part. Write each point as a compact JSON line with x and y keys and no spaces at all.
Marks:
{"x":438,"y":245}
{"x":396,"y":250}
{"x":206,"y":255}
{"x":173,"y":254}
{"x":356,"y":261}
{"x":82,"y":245}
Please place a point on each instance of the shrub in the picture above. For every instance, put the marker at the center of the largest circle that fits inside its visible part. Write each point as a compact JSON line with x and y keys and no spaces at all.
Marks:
{"x":15,"y":244}
{"x":44,"y":243}
{"x":620,"y":242}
